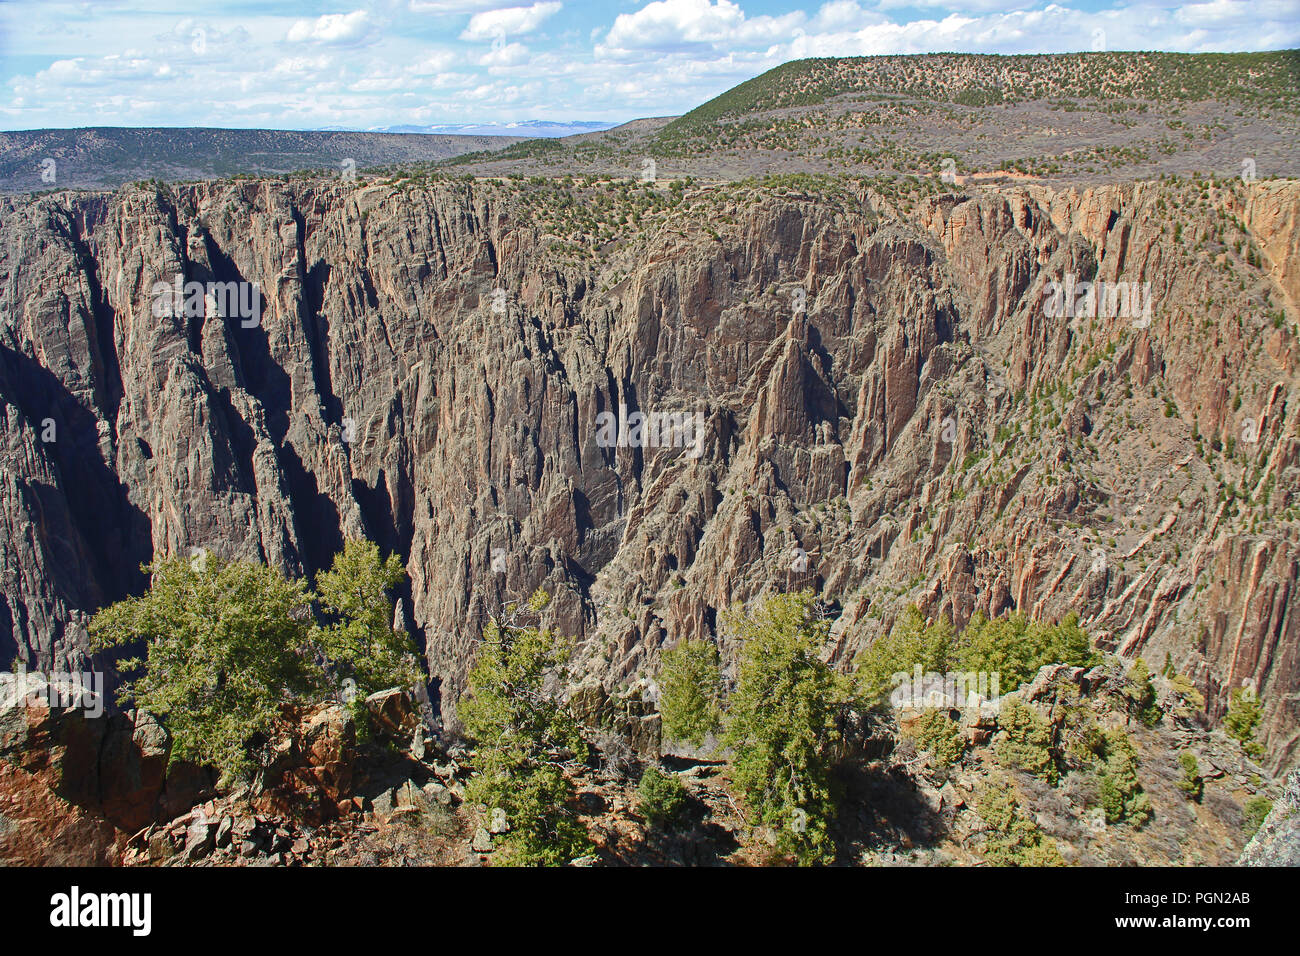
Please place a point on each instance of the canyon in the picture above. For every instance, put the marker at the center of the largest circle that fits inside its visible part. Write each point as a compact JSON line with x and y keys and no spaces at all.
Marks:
{"x":882,"y":389}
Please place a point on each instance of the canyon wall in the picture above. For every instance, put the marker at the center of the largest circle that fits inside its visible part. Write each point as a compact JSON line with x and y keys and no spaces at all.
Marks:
{"x":889,"y":412}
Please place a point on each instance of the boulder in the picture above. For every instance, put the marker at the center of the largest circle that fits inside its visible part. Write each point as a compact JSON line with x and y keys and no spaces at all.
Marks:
{"x":394,"y":711}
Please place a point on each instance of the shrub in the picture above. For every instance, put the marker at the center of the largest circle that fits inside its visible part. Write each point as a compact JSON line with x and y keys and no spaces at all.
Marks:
{"x":1013,"y":838}
{"x":1024,"y":741}
{"x":1242,"y":718}
{"x":1014,"y":647}
{"x":1254,"y":813}
{"x":1120,"y":792}
{"x":1191,"y":782}
{"x":523,"y":735}
{"x":1139,"y":695}
{"x":359,"y":639}
{"x":911,"y":641}
{"x":1190,"y":701}
{"x":938,"y":734}
{"x":662,"y":797}
{"x":784,"y":723}
{"x":689,"y":682}
{"x":228,"y":643}
{"x":224,"y":643}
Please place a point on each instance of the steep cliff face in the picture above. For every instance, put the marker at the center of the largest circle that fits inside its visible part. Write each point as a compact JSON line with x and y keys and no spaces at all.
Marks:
{"x":889,"y":412}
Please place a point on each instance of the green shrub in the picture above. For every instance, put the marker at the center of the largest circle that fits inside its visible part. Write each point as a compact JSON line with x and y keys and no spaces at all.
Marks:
{"x":1011,"y":647}
{"x":689,"y":682}
{"x":663,"y":798}
{"x":1190,"y":701}
{"x":1119,"y":789}
{"x":1191,"y":782}
{"x":359,"y":640}
{"x":228,"y":643}
{"x":1013,"y":838}
{"x":784,"y":724}
{"x":1254,"y":814}
{"x":1242,"y":719}
{"x":523,"y":735}
{"x":938,"y":734}
{"x":1014,"y":647}
{"x":1139,"y":695}
{"x":1024,"y":741}
{"x":911,"y":641}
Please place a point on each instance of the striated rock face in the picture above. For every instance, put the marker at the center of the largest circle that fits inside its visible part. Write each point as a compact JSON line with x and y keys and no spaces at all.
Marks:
{"x":889,"y":413}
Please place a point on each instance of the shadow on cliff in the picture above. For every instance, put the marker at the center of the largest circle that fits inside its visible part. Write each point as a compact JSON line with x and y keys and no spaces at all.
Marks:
{"x":882,"y":809}
{"x":106,"y":532}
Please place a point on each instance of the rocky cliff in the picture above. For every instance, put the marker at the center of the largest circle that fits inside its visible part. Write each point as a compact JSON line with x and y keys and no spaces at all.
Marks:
{"x":892,"y":411}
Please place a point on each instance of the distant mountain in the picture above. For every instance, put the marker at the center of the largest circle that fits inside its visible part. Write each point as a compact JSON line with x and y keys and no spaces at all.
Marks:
{"x":109,"y":156}
{"x":532,"y":129}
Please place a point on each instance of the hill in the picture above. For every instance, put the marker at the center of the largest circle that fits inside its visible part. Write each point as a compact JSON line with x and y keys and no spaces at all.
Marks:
{"x":1078,"y":117}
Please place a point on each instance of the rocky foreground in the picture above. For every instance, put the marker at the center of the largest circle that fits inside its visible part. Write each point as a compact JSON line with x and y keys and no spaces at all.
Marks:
{"x":82,"y":790}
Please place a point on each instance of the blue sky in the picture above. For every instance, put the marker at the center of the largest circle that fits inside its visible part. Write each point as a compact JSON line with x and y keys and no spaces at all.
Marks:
{"x":301,"y":65}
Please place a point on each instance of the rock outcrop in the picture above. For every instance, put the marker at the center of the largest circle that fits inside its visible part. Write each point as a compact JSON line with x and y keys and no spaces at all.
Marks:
{"x":74,"y":780}
{"x":1277,"y":842}
{"x":80,"y":786}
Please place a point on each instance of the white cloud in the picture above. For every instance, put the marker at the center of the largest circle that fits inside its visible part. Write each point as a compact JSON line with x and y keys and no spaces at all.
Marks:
{"x":511,"y":54}
{"x":450,"y":6}
{"x":681,"y":24}
{"x":512,"y":21}
{"x":302,"y":64}
{"x":332,"y":28}
{"x":433,"y":63}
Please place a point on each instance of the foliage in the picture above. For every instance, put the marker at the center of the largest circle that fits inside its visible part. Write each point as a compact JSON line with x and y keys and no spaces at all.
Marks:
{"x":911,"y":641}
{"x":1191,"y":782}
{"x":544,"y":829}
{"x":227,"y":643}
{"x":1255,"y":813}
{"x":784,"y":723}
{"x":1244,"y":713}
{"x":1014,"y":839}
{"x":224,"y":642}
{"x":689,"y":683}
{"x":359,"y":640}
{"x":938,"y":734}
{"x":1011,"y":647}
{"x":1120,"y":792}
{"x":1139,"y":696}
{"x":1024,"y":741}
{"x":524,"y":734}
{"x":1014,"y":647}
{"x":1190,"y":701}
{"x":663,"y":797}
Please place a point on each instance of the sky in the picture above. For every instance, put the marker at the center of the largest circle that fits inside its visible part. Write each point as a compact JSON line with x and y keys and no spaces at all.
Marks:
{"x":303,"y":65}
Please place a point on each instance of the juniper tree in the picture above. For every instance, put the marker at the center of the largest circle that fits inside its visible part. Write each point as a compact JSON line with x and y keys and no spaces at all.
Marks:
{"x":524,"y":735}
{"x":226,"y":644}
{"x":784,"y":723}
{"x":689,"y":691}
